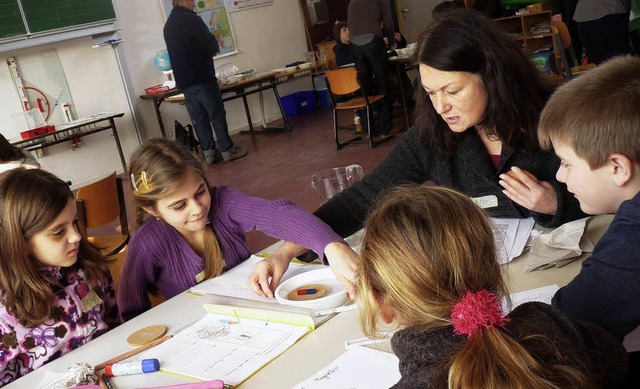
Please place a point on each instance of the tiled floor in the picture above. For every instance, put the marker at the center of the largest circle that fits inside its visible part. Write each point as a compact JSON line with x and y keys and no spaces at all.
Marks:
{"x":280,"y":165}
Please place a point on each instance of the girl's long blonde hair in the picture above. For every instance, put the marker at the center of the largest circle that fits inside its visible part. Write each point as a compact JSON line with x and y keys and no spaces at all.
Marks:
{"x":155,"y":169}
{"x":426,"y":247}
{"x":30,"y":200}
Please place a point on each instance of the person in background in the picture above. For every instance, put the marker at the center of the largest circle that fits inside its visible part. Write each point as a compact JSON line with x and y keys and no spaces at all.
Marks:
{"x":56,"y":292}
{"x":12,"y":157}
{"x":603,"y":27}
{"x":476,"y":131}
{"x":592,"y":123}
{"x":429,"y":270}
{"x":342,"y":49}
{"x":197,"y":231}
{"x":370,"y":52}
{"x":191,"y":48}
{"x":562,"y":11}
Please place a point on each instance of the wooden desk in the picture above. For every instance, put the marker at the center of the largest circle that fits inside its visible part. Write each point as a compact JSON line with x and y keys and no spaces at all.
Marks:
{"x":302,"y":360}
{"x":73,"y":130}
{"x":241,"y":89}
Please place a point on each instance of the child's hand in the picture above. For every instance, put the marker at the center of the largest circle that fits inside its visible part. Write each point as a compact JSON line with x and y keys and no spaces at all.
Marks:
{"x":344,"y":263}
{"x":274,"y":267}
{"x":524,"y":188}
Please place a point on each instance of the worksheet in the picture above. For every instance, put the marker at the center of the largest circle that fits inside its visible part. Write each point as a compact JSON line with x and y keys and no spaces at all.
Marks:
{"x":227,"y":348}
{"x":233,"y":283}
{"x":358,"y":368}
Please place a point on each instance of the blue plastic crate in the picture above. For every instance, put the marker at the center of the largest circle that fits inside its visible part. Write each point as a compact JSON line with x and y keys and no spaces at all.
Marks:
{"x":289,"y":105}
{"x":305,"y":101}
{"x":324,"y":98}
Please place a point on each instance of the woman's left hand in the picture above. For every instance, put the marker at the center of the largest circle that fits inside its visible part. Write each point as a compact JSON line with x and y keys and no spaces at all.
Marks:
{"x":523,"y":188}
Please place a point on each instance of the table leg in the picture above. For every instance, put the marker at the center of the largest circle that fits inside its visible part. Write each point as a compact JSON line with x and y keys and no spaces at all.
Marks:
{"x":399,"y":69}
{"x":156,"y":106}
{"x":265,"y":128}
{"x":115,"y":135}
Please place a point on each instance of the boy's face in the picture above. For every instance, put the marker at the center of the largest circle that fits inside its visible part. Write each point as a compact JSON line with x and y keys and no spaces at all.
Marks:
{"x":594,"y":189}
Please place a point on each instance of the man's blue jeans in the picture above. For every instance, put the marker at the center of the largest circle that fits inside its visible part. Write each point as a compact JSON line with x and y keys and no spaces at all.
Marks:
{"x":205,"y":107}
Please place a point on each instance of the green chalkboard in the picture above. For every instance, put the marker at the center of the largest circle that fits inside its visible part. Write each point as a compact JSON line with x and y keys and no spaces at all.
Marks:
{"x":51,"y":15}
{"x":10,"y":20}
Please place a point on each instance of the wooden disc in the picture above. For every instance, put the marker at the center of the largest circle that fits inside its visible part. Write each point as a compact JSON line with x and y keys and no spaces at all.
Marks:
{"x":321,"y":290}
{"x":146,"y":335}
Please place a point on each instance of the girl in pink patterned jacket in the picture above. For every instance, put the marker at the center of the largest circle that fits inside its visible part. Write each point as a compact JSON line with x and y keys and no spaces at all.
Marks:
{"x":56,"y":292}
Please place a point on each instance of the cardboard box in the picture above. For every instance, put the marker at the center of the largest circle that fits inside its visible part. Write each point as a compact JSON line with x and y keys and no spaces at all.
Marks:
{"x":539,"y":7}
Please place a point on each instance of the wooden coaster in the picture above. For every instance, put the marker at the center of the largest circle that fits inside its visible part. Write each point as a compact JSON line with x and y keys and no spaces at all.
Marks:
{"x":321,"y":290}
{"x":146,"y":335}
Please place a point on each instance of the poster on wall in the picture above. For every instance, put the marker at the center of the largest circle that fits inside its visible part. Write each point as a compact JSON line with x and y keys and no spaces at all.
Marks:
{"x":215,"y":16}
{"x":239,"y":5}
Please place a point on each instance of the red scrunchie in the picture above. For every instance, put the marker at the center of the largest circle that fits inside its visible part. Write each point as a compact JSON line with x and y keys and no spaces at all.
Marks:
{"x":477,"y":310}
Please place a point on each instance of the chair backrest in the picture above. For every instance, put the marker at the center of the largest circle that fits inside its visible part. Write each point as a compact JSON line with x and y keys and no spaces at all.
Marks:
{"x":102,"y":202}
{"x":565,"y":36}
{"x":343,"y":81}
{"x":563,"y":54}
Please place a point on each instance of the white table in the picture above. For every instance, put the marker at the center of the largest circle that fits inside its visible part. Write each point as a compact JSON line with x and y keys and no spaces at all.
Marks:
{"x":303,"y":359}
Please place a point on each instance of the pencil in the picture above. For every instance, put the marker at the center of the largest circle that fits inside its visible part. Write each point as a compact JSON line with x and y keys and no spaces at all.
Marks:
{"x":107,"y":381}
{"x":342,"y":308}
{"x":132,"y":352}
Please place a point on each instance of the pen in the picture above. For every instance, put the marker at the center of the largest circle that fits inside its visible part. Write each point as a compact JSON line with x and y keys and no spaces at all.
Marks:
{"x":132,"y":352}
{"x":331,"y":311}
{"x":107,"y":382}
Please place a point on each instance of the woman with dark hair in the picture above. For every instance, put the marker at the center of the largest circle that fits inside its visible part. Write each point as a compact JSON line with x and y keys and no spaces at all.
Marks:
{"x":475,"y":131}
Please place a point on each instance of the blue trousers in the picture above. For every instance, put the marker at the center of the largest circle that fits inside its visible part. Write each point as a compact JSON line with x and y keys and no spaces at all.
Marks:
{"x":205,"y":107}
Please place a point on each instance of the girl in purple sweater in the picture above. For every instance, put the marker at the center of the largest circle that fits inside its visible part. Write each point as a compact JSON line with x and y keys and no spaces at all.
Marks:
{"x":197,"y":231}
{"x":56,"y":292}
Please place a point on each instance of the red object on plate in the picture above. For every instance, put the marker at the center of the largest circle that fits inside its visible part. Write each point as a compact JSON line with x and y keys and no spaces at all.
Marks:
{"x":37,"y":131}
{"x":157,"y":89}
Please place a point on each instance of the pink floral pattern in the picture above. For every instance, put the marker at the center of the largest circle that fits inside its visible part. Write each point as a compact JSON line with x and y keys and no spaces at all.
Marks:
{"x":24,"y":349}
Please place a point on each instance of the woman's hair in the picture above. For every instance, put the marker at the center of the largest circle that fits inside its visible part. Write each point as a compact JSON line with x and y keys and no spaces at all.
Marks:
{"x":463,"y":40}
{"x":9,"y":152}
{"x":424,"y":249}
{"x":155,"y":169}
{"x":30,"y":200}
{"x":337,"y":28}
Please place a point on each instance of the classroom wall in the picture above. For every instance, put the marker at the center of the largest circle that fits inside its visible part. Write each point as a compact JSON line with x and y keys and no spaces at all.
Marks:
{"x":267,"y":37}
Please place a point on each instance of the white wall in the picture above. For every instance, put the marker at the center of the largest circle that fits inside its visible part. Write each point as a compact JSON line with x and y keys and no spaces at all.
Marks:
{"x":267,"y":37}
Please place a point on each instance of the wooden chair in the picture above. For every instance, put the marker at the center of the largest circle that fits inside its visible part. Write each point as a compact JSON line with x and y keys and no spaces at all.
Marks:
{"x":342,"y":84}
{"x":100,"y":204}
{"x":562,"y":39}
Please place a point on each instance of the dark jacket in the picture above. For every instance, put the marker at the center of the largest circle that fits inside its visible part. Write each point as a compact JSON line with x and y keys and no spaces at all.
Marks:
{"x":191,"y":48}
{"x":607,"y":289}
{"x":469,"y":170}
{"x":422,"y":352}
{"x":343,"y":54}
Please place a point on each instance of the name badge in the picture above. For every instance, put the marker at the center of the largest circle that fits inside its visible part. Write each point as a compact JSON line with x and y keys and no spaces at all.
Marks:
{"x":483,"y":202}
{"x":90,"y":300}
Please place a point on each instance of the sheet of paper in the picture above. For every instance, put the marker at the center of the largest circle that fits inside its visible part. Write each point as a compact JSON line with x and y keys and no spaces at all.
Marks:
{"x":357,"y":368}
{"x":543,"y":294}
{"x":563,"y":244}
{"x":224,"y":348}
{"x":233,"y":283}
{"x":511,"y":236}
{"x":55,"y":380}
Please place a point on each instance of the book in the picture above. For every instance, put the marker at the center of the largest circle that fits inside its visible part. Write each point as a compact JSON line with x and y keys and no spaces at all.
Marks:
{"x":230,"y":343}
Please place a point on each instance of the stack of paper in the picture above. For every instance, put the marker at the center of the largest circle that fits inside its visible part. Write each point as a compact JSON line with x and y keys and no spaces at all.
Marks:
{"x":511,"y":236}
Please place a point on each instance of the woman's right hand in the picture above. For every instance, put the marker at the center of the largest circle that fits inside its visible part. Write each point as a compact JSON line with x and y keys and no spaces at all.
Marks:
{"x":273,"y":267}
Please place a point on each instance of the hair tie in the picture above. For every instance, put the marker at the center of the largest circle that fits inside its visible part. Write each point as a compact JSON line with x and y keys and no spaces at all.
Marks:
{"x":477,"y":310}
{"x":133,"y":182}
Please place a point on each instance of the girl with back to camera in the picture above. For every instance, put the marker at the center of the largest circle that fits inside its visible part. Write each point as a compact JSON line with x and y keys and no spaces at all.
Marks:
{"x":56,"y":292}
{"x":429,"y":268}
{"x":196,"y":231}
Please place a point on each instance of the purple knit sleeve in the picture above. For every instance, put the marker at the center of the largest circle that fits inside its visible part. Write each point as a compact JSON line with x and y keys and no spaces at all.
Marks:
{"x":280,"y":219}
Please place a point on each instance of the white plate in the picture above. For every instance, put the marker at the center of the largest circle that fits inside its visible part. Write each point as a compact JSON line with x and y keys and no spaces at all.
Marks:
{"x":336,"y":293}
